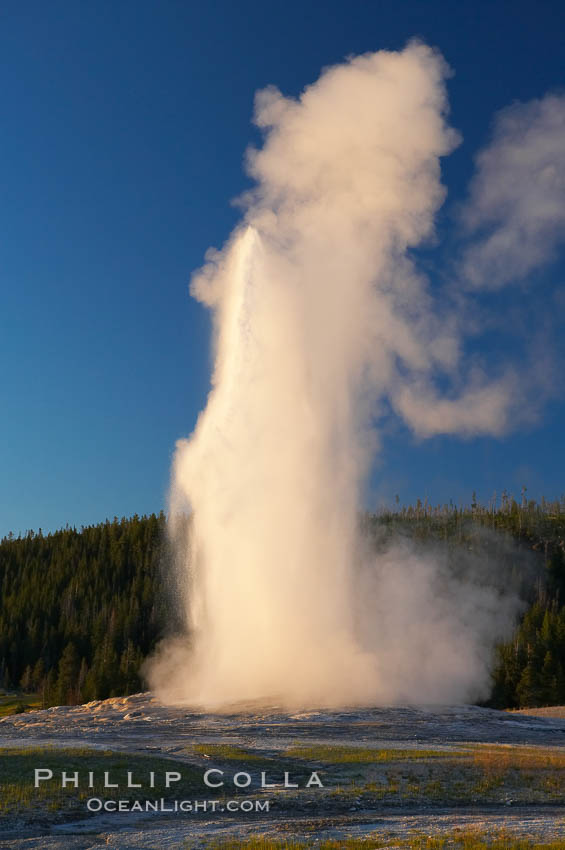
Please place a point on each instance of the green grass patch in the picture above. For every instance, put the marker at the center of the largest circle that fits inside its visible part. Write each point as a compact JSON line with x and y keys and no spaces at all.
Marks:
{"x":19,"y":797}
{"x":18,"y":703}
{"x":251,"y":760}
{"x":227,"y":752}
{"x":355,"y":755}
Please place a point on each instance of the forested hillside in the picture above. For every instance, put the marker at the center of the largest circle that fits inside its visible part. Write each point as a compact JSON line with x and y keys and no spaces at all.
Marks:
{"x":524,"y":542}
{"x":80,"y":610}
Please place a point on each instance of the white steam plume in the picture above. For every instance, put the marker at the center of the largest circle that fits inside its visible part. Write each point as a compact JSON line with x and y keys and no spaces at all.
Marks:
{"x":516,"y":209}
{"x":320,"y":317}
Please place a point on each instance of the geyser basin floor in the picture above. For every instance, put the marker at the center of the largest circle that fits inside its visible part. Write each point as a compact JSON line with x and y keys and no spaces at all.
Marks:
{"x":388,"y":771}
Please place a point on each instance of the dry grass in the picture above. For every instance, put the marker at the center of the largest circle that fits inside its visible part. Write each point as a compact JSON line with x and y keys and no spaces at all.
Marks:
{"x":452,"y":841}
{"x":505,"y":757}
{"x":262,"y":843}
{"x":557,"y":711}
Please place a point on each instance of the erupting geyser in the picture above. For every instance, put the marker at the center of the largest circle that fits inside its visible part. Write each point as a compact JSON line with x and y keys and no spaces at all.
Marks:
{"x":322,"y":324}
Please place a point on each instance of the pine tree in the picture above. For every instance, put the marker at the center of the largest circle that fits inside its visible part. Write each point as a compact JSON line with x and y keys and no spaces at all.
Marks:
{"x":529,"y":690}
{"x":26,"y":680}
{"x":66,"y":689}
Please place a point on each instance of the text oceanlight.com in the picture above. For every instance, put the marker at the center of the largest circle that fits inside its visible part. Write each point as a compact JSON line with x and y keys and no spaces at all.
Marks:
{"x":95,"y":804}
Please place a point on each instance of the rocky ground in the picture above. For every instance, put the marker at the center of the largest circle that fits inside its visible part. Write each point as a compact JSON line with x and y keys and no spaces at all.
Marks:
{"x":384,"y":772}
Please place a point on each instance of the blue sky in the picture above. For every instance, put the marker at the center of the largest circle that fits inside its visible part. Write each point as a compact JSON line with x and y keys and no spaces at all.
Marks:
{"x":124,"y":126}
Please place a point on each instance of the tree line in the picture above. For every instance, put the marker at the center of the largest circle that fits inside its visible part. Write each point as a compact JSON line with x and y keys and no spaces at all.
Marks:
{"x":80,"y":610}
{"x":521,"y":543}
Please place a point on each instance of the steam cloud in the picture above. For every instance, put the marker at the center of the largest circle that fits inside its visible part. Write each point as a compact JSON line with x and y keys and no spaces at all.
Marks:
{"x":323,"y":324}
{"x":519,"y":193}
